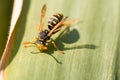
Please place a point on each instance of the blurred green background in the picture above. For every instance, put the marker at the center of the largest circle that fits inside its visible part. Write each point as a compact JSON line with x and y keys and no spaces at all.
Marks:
{"x":5,"y":16}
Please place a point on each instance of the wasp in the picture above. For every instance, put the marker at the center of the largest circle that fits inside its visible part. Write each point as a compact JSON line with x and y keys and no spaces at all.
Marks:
{"x":55,"y":24}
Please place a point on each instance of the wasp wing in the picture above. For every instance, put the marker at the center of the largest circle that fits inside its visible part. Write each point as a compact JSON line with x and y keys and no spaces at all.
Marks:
{"x":43,"y":13}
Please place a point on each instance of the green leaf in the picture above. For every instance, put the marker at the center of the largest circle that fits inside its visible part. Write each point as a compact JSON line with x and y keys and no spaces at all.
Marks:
{"x":91,"y":47}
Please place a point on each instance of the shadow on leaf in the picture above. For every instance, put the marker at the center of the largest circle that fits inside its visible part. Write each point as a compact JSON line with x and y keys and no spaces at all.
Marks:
{"x":49,"y":55}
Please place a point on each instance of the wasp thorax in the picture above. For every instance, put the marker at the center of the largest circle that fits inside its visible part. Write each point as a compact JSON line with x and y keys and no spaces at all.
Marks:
{"x":43,"y":34}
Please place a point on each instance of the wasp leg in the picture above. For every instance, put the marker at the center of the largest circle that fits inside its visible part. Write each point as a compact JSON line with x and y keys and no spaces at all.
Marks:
{"x":71,"y":22}
{"x":55,"y":46}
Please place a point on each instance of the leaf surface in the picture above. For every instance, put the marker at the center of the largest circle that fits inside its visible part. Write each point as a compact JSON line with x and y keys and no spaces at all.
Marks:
{"x":91,"y":47}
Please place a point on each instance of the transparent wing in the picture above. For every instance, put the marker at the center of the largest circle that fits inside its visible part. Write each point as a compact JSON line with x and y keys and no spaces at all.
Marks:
{"x":43,"y":13}
{"x":71,"y":22}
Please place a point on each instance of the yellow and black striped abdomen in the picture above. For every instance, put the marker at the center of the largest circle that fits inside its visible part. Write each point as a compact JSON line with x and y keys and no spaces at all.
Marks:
{"x":54,"y":20}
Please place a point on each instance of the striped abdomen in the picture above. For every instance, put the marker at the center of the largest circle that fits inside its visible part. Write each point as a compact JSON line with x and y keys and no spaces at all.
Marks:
{"x":54,"y":20}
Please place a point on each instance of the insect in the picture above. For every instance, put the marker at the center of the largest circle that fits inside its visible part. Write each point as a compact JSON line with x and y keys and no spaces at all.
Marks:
{"x":55,"y":23}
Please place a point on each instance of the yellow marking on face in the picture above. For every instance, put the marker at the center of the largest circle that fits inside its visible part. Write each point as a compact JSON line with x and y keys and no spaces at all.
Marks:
{"x":43,"y":47}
